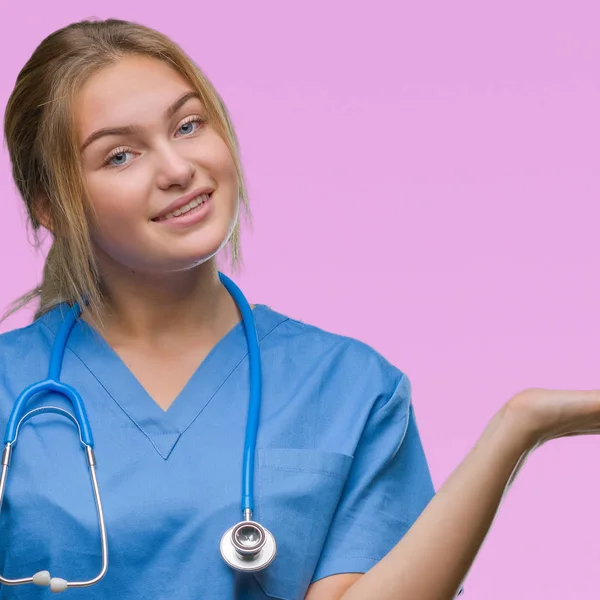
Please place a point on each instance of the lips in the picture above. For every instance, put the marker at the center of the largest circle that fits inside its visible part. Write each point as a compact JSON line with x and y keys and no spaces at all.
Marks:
{"x":182,"y":201}
{"x":190,"y":208}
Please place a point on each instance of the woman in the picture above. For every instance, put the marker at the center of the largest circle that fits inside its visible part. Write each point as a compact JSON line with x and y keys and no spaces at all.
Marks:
{"x":125,"y":152}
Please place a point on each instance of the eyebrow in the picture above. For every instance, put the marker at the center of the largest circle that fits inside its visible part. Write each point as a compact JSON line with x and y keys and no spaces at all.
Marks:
{"x":132,"y":129}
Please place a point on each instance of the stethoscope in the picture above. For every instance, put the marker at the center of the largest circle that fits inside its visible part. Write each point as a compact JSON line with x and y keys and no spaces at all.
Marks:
{"x":247,"y":546}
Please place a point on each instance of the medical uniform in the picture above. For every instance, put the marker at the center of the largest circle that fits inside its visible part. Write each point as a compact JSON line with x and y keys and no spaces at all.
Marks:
{"x":340,"y":471}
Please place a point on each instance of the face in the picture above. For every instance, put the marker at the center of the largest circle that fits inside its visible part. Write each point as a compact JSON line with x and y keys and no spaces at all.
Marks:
{"x":136,"y":178}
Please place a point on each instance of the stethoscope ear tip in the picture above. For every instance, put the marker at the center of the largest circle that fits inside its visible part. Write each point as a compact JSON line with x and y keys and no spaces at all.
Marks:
{"x":57,"y":584}
{"x":42,"y":578}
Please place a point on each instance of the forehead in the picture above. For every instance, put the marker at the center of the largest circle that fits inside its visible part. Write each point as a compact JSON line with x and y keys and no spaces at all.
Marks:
{"x":135,"y":90}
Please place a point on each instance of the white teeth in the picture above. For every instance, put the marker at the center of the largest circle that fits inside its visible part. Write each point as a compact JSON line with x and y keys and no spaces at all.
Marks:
{"x":191,"y":204}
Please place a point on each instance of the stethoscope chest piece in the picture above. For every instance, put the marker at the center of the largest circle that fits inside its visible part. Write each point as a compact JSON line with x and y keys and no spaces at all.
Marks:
{"x":248,"y":546}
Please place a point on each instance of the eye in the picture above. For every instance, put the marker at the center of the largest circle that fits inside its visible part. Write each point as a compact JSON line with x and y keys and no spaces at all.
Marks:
{"x":188,"y":125}
{"x":118,"y":153}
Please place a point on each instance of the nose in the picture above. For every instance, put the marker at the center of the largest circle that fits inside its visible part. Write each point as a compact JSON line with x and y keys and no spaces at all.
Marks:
{"x":173,"y":167}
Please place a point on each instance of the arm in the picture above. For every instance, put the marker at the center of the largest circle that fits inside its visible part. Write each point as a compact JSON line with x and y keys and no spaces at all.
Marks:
{"x":432,"y":559}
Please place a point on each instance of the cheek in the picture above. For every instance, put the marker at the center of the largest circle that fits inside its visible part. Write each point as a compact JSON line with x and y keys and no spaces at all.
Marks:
{"x":119,"y":212}
{"x":218,"y":160}
{"x":118,"y":202}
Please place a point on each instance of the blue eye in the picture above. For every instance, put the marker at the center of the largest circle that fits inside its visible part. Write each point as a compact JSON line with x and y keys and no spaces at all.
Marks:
{"x":118,"y":153}
{"x":189,"y":123}
{"x":122,"y":154}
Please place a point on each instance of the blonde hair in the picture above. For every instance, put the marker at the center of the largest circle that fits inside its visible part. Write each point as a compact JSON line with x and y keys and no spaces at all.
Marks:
{"x":40,"y":133}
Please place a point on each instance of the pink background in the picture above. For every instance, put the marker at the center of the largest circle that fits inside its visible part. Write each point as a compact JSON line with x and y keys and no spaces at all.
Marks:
{"x":423,"y":177}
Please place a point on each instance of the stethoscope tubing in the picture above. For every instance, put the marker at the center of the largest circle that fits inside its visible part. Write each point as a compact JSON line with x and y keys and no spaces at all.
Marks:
{"x":233,"y":550}
{"x":252,"y":421}
{"x":53,"y":384}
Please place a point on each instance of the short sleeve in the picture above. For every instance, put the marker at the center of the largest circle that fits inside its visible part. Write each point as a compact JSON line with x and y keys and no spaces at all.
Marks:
{"x":389,"y":485}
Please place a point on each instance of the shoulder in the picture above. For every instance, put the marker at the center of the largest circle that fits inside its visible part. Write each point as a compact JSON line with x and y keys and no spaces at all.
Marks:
{"x":37,"y":334}
{"x":19,"y":342}
{"x":24,"y":355}
{"x":342,"y":359}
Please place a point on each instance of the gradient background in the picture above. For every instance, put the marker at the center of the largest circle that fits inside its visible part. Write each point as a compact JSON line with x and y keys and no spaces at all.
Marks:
{"x":424,"y":177}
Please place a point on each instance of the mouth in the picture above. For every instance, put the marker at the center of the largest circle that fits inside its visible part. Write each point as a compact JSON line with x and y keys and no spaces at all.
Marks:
{"x":192,"y":206}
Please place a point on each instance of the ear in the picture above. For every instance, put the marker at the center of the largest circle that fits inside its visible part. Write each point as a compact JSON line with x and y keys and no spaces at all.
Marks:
{"x":41,"y":210}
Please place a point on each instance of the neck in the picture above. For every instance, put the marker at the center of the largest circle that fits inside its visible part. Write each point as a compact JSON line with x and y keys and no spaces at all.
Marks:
{"x":154,"y":309}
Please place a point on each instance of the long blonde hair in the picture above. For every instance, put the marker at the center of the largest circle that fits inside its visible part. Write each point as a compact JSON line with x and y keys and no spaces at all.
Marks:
{"x":40,"y":133}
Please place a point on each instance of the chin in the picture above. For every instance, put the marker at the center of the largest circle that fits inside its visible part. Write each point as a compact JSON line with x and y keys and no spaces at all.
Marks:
{"x":202,"y":253}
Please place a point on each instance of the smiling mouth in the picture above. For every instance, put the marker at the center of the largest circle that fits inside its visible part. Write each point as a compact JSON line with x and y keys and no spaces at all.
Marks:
{"x":191,"y":206}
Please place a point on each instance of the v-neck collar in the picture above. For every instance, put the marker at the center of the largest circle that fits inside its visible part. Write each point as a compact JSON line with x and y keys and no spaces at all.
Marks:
{"x":162,"y":428}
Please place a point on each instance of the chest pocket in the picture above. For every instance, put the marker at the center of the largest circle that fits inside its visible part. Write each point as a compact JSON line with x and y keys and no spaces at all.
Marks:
{"x":297,"y":493}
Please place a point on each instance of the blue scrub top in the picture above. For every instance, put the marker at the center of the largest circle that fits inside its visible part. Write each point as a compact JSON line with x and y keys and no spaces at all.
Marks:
{"x":340,"y":470}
